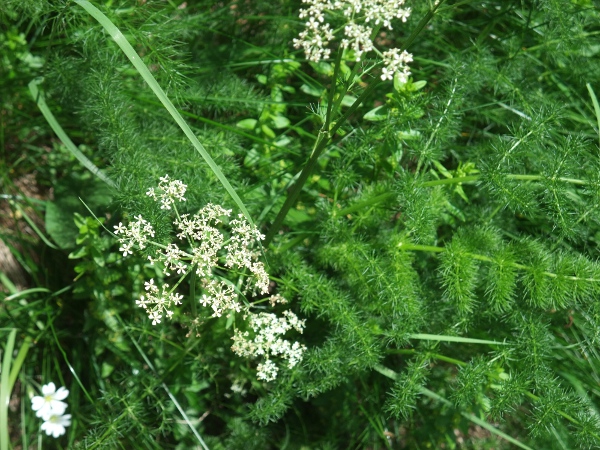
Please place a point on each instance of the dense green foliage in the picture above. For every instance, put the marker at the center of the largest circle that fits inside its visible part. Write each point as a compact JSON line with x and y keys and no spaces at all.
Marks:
{"x":441,"y":240}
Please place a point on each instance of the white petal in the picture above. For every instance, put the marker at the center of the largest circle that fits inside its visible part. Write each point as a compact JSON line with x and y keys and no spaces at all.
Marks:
{"x":57,"y":407}
{"x":48,"y":389}
{"x":65,"y":420}
{"x":55,"y":424}
{"x":61,"y":394}
{"x":44,"y":411}
{"x":37,"y":402}
{"x":58,"y":430}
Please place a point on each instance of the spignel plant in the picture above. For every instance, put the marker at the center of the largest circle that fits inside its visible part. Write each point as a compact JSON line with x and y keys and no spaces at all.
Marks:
{"x":321,"y":224}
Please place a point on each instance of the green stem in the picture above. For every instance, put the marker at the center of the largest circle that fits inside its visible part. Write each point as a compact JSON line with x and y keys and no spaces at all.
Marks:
{"x":18,"y":362}
{"x":596,"y":106}
{"x":458,"y":180}
{"x":332,"y":89}
{"x":471,"y":178}
{"x":193,"y":292}
{"x":322,"y":141}
{"x":360,"y":205}
{"x":429,"y":248}
{"x":326,"y":135}
{"x":66,"y":358}
{"x":412,"y":351}
{"x":163,"y":384}
{"x":421,"y":248}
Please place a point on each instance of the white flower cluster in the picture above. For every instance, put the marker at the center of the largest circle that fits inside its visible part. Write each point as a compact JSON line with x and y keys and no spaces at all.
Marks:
{"x":51,"y":408}
{"x":317,"y":34}
{"x":169,"y":191}
{"x":136,"y":233}
{"x":277,"y":298}
{"x":157,"y":302}
{"x":358,"y":37}
{"x":205,"y":247}
{"x":396,"y":62}
{"x":210,"y":242}
{"x":267,"y":341}
{"x":221,"y":297}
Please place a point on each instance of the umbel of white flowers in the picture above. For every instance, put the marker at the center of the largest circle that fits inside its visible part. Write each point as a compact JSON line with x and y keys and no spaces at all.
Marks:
{"x":360,"y":17}
{"x":210,"y":240}
{"x":204,"y":247}
{"x":51,"y":408}
{"x":266,"y":342}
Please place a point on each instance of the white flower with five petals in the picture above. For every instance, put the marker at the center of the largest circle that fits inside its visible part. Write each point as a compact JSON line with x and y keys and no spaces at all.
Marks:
{"x":55,"y":424}
{"x":50,"y":402}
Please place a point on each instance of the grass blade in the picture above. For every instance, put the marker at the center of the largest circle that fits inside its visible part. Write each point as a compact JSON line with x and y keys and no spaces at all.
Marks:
{"x":137,"y":62}
{"x":25,"y":292}
{"x":476,"y":420}
{"x":5,"y":389}
{"x":18,"y":362}
{"x":596,"y":106}
{"x":441,"y":338}
{"x":385,"y":371}
{"x":41,"y":235}
{"x":71,"y":368}
{"x":38,"y":97}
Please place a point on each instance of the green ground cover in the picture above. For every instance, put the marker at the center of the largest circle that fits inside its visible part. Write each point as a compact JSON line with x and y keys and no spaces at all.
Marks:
{"x":304,"y":225}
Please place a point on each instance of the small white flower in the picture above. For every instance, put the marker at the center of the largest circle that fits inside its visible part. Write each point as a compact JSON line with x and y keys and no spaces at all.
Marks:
{"x":155,"y":316}
{"x":120,"y":229}
{"x":55,"y":424}
{"x":151,"y":193}
{"x":50,"y":403}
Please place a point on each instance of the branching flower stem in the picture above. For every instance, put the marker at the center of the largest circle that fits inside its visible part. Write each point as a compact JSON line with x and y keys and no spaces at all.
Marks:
{"x":323,"y":140}
{"x":326,"y":134}
{"x":433,"y":249}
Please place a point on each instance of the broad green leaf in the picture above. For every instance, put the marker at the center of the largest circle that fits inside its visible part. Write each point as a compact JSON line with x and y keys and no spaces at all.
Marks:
{"x":268,"y":131}
{"x":247,"y":124}
{"x":312,"y":90}
{"x":377,"y":114}
{"x":418,"y":85}
{"x":60,"y":223}
{"x":262,"y":79}
{"x":348,"y":100}
{"x":280,"y":122}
